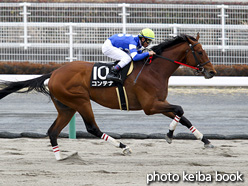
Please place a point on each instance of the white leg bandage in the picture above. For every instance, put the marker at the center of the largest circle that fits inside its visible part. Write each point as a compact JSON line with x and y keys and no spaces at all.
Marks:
{"x":110,"y":140}
{"x":197,"y":134}
{"x":174,"y":123}
{"x":57,"y":152}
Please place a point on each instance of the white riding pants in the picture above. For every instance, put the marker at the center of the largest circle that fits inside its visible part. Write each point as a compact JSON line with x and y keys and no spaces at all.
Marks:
{"x":115,"y":53}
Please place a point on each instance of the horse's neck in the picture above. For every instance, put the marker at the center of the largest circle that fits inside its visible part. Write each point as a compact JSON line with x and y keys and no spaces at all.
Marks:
{"x":167,"y":68}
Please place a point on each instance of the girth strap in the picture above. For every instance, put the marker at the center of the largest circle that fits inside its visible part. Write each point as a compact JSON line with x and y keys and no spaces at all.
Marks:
{"x":122,"y":97}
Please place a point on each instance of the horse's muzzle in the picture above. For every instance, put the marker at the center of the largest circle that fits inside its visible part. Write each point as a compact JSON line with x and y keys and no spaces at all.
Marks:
{"x":209,"y":74}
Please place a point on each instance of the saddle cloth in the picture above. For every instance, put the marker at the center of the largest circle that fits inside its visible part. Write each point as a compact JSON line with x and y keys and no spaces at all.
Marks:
{"x":100,"y":71}
{"x":98,"y":79}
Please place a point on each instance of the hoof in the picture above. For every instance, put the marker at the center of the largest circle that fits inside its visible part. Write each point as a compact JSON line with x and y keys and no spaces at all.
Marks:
{"x":168,"y":139}
{"x":70,"y":156}
{"x":127,"y":151}
{"x":208,"y":146}
{"x":58,"y":156}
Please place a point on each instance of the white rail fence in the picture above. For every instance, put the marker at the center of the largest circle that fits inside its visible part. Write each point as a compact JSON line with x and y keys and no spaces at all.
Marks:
{"x":59,"y":32}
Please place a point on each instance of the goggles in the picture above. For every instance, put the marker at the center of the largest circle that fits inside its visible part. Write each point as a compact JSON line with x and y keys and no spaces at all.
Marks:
{"x":148,"y":41}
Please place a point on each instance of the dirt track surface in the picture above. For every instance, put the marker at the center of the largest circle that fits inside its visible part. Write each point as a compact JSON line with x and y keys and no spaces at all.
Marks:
{"x":31,"y":162}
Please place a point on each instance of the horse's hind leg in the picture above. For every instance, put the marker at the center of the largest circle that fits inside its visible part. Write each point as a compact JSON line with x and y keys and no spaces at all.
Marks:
{"x":64,"y":116}
{"x":86,"y":112}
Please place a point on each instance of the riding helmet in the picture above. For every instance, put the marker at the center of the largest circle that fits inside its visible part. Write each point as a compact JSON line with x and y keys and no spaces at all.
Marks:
{"x":147,"y":33}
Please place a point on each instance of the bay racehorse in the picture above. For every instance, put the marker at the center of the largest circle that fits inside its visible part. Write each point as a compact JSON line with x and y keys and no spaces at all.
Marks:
{"x":70,"y":90}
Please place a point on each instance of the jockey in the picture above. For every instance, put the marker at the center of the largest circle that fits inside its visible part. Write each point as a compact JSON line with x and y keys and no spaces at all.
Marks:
{"x":126,"y":47}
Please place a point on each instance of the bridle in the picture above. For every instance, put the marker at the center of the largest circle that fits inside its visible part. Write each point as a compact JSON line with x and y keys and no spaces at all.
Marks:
{"x":199,"y":66}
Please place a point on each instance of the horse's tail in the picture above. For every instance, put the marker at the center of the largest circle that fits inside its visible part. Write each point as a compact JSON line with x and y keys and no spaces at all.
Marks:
{"x":36,"y":84}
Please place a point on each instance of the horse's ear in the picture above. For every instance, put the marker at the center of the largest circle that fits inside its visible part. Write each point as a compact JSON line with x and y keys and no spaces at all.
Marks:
{"x":198,"y":36}
{"x":190,"y":41}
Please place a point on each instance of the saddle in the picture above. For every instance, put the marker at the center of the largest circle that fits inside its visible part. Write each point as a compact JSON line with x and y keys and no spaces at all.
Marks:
{"x":98,"y":79}
{"x":100,"y":71}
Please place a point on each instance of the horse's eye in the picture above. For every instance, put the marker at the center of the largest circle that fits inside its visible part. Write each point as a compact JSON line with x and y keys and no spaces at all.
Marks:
{"x":200,"y":53}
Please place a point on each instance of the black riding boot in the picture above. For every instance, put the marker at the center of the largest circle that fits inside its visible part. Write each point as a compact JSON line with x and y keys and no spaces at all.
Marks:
{"x":114,"y":75}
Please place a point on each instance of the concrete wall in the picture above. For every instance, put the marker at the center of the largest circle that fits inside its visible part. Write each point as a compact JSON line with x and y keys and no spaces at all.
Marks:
{"x":174,"y":80}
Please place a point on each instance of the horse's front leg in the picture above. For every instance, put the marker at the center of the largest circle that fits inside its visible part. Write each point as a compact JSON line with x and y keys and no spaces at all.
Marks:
{"x":173,"y":111}
{"x":184,"y":121}
{"x":176,"y":113}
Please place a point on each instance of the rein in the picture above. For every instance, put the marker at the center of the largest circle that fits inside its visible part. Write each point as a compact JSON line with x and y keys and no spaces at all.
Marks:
{"x":199,"y":67}
{"x":196,"y":68}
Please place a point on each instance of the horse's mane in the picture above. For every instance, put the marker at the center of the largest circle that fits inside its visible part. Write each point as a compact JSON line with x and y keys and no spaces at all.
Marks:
{"x":171,"y":42}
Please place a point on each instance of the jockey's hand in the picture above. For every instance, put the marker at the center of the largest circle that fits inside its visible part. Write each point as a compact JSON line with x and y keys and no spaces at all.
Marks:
{"x":151,"y":53}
